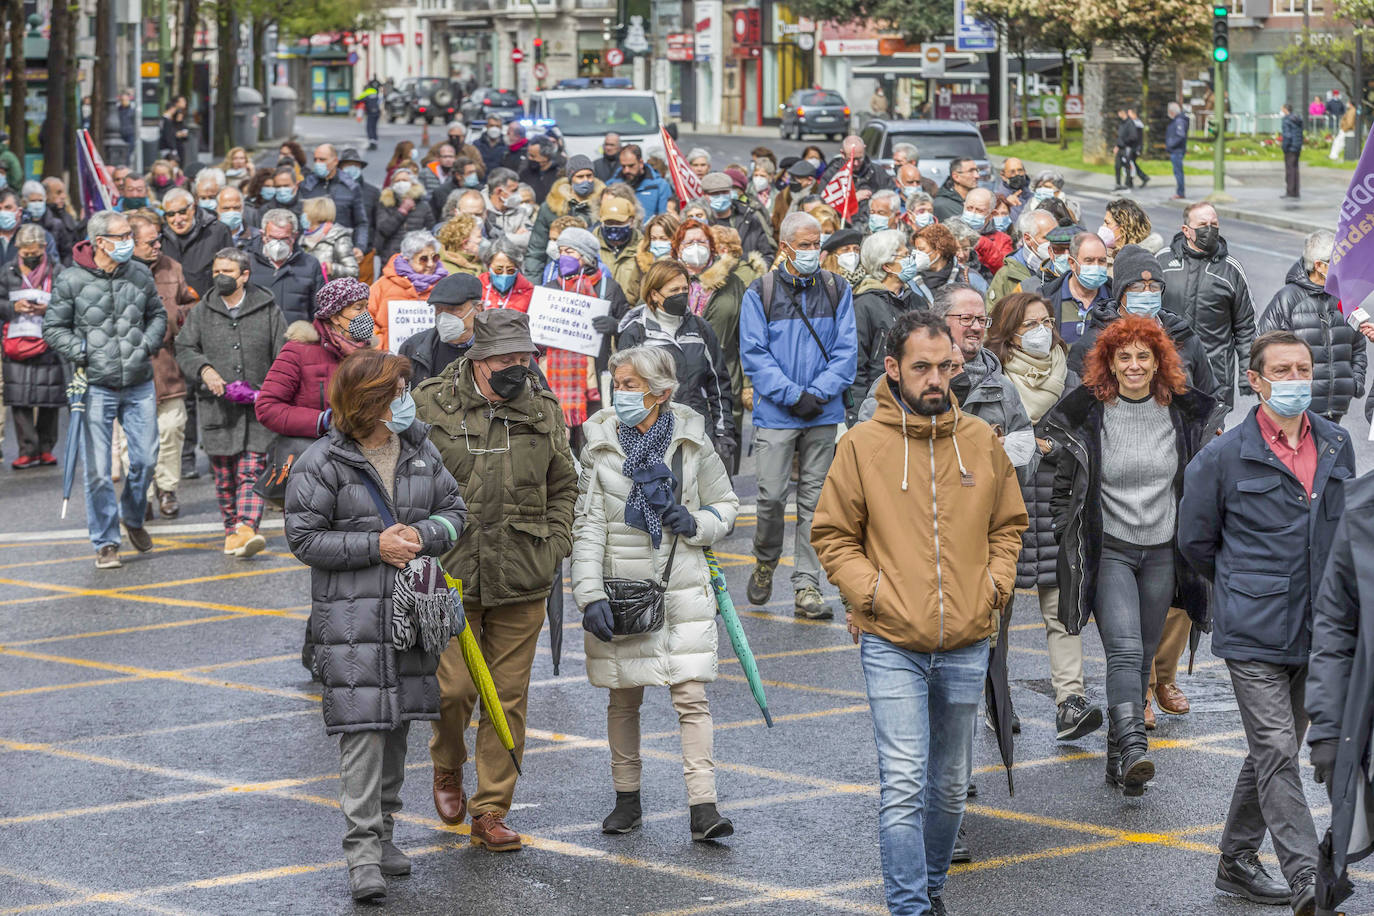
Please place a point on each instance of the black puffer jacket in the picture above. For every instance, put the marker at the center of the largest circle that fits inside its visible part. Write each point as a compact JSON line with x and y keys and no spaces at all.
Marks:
{"x":293,"y":285}
{"x":37,"y":382}
{"x":702,"y":375}
{"x":875,"y":309}
{"x":334,"y":527}
{"x":109,"y":323}
{"x":1338,"y":351}
{"x":195,"y":251}
{"x":1211,"y":293}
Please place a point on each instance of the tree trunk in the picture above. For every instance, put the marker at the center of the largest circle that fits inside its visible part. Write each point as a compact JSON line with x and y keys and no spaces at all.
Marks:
{"x":186,"y":51}
{"x":98,"y":73}
{"x":226,"y":77}
{"x":55,"y":128}
{"x":1063,"y":95}
{"x":1025,"y":96}
{"x":19,"y":87}
{"x":1144,"y":110}
{"x":259,"y":57}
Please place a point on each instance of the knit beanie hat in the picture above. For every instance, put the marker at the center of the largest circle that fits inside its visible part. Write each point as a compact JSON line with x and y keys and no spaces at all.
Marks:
{"x":1132,"y":265}
{"x":577,"y":164}
{"x":336,"y":294}
{"x":581,"y":241}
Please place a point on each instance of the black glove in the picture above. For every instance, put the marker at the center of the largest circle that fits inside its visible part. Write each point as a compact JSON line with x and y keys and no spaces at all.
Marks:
{"x":808,"y":406}
{"x":679,"y":520}
{"x":596,"y":620}
{"x":603,"y":324}
{"x":1323,"y":759}
{"x":725,"y":448}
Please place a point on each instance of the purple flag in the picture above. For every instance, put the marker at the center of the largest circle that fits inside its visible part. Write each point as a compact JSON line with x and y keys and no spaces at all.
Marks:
{"x":96,"y":191}
{"x":1351,"y":275}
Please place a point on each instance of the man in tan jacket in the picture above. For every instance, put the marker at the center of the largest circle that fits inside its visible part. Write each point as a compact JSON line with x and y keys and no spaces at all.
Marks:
{"x":919,"y":525}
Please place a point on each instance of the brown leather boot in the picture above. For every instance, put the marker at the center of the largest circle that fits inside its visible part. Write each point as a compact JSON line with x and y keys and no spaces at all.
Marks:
{"x":1149,"y":716}
{"x":490,"y":830}
{"x":1172,"y":700}
{"x":449,"y":799}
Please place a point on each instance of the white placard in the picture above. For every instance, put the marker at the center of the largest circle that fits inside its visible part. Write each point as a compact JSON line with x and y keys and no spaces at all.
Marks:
{"x":564,"y":320}
{"x":405,"y":318}
{"x":25,"y":326}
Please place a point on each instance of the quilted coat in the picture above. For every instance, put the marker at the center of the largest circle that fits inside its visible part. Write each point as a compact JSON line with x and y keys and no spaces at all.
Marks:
{"x":1036,"y":567}
{"x":37,"y":382}
{"x":333,"y":526}
{"x":295,"y":393}
{"x":605,"y":546}
{"x":1339,"y":358}
{"x":110,"y":323}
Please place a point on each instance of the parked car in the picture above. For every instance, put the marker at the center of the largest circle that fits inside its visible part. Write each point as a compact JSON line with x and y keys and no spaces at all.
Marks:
{"x":583,"y":118}
{"x":937,"y":142}
{"x":814,"y":111}
{"x":432,"y":99}
{"x":486,"y":102}
{"x":398,"y":100}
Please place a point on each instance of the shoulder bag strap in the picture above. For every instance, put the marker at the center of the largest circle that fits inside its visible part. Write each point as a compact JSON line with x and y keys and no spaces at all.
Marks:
{"x":801,"y":310}
{"x":372,"y":489}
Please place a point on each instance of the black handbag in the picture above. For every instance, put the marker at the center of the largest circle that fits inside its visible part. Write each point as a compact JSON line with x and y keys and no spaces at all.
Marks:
{"x":282,"y":453}
{"x":637,"y":605}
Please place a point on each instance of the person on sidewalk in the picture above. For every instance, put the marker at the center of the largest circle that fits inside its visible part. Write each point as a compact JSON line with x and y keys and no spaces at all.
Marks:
{"x":637,"y":520}
{"x":372,"y":690}
{"x":922,"y":479}
{"x":797,"y":344}
{"x":1121,"y":152}
{"x":34,"y":378}
{"x":1137,"y":146}
{"x":1176,"y":144}
{"x":480,"y":406}
{"x":227,"y":347}
{"x":1236,"y":501}
{"x":107,"y":319}
{"x":1291,"y":128}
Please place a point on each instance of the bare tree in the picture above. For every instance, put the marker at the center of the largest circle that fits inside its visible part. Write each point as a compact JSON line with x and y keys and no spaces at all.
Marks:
{"x":19,"y":86}
{"x":56,"y":139}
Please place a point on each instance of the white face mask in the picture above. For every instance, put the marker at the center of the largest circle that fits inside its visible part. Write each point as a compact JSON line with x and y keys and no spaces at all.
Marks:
{"x":1037,"y":341}
{"x":922,"y":259}
{"x":760,"y":183}
{"x":695,"y":255}
{"x":848,"y":261}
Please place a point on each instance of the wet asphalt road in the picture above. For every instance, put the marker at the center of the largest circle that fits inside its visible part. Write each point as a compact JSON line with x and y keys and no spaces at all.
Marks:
{"x":161,"y":751}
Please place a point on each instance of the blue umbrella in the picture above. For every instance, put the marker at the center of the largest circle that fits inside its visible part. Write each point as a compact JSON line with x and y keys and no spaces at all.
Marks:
{"x":76,"y":431}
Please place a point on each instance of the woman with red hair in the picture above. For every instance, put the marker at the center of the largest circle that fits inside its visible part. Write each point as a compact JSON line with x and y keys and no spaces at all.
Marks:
{"x":1127,"y":434}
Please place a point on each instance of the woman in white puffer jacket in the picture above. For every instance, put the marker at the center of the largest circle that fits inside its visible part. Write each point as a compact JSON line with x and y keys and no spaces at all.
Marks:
{"x":625,"y":528}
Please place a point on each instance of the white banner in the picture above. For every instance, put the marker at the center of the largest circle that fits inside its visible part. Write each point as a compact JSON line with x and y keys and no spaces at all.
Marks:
{"x":405,"y":318}
{"x":564,"y":320}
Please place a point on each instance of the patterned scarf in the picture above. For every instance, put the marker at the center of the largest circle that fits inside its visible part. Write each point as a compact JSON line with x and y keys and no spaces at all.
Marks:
{"x":423,"y":611}
{"x":421,"y":282}
{"x":644,"y":453}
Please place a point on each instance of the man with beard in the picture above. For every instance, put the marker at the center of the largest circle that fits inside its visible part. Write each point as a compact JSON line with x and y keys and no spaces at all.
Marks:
{"x":921,"y":466}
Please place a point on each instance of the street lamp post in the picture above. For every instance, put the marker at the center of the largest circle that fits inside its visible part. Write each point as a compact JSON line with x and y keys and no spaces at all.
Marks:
{"x":116,"y":150}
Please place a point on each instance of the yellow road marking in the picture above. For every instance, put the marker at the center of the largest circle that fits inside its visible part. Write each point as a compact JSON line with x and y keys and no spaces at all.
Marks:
{"x":808,"y":688}
{"x":142,"y":628}
{"x":75,"y":592}
{"x":193,"y":726}
{"x":53,"y":688}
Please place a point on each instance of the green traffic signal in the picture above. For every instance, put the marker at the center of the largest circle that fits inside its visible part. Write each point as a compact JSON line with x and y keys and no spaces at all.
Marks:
{"x":1220,"y":55}
{"x":1219,"y":11}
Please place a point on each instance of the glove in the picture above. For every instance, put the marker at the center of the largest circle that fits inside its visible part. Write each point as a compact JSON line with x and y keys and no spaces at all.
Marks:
{"x":679,"y":520}
{"x":603,"y":324}
{"x":808,"y":406}
{"x":725,"y":448}
{"x":596,"y":620}
{"x":1323,"y":759}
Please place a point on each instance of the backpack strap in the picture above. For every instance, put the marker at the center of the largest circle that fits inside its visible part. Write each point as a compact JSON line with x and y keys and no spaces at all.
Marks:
{"x":766,"y":292}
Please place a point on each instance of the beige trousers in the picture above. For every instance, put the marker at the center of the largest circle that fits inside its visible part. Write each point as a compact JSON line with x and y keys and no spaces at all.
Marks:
{"x":171,"y":433}
{"x":694,"y":725}
{"x":1066,"y":650}
{"x":1176,"y":628}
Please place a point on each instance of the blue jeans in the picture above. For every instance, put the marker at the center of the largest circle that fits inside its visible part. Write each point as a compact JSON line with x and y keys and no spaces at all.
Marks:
{"x":136,"y":410}
{"x":1177,"y":160}
{"x":924,"y":706}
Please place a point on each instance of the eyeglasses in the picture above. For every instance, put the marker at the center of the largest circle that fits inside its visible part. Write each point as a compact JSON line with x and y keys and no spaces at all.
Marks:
{"x":1032,"y":325}
{"x":156,"y":242}
{"x":1145,"y":286}
{"x":970,"y":321}
{"x":467,"y":441}
{"x":177,"y":212}
{"x":119,"y":237}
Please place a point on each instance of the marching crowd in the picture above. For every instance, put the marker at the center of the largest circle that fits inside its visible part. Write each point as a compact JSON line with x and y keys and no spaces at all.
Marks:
{"x":969,"y":391}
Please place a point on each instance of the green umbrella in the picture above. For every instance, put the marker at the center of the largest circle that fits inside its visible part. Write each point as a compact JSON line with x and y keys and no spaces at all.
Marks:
{"x":725,"y":605}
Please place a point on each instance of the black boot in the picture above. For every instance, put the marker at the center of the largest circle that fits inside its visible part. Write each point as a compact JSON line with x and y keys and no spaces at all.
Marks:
{"x":1136,"y":768}
{"x":1113,"y":757}
{"x":707,"y":823}
{"x":626,"y":816}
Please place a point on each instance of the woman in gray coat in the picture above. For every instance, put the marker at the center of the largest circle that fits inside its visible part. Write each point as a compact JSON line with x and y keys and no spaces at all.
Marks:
{"x":372,"y":690}
{"x":225,"y":348}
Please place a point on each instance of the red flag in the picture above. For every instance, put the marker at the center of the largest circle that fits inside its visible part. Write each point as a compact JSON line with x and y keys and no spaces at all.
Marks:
{"x":839,"y":192}
{"x":686,"y":184}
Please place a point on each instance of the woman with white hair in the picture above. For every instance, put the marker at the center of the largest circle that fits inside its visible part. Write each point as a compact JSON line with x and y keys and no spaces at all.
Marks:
{"x":654,"y":495}
{"x":700,"y":161}
{"x":888,"y":267}
{"x":761,"y":185}
{"x":409,"y":275}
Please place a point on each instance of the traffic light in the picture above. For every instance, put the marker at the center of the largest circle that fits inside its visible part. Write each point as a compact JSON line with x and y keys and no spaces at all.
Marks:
{"x":538,"y":50}
{"x":1221,"y":52}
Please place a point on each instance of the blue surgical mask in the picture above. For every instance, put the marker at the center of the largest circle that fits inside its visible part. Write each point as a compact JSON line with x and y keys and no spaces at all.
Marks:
{"x":923,"y":219}
{"x":629,"y":407}
{"x":806,"y":263}
{"x":402,"y":413}
{"x":1000,"y":223}
{"x":580,"y":188}
{"x":877,"y":222}
{"x":1061,"y":263}
{"x":1091,"y":276}
{"x":503,"y":283}
{"x":721,"y":202}
{"x":1289,"y":397}
{"x":1043,"y":194}
{"x":35,"y":210}
{"x":208,"y":203}
{"x":121,"y":252}
{"x":470,"y":180}
{"x":1145,"y":304}
{"x":8,"y":219}
{"x":269,"y":192}
{"x":320,"y":169}
{"x":352,"y":171}
{"x":233,"y":219}
{"x":911,"y":266}
{"x":305,"y":223}
{"x":285,"y":195}
{"x":975,"y":221}
{"x":660,"y":248}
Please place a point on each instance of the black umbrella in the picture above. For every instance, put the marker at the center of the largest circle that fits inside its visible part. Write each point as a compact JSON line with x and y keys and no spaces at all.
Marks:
{"x":1331,"y":888}
{"x":76,"y":430}
{"x":997,"y":694}
{"x":555,"y":612}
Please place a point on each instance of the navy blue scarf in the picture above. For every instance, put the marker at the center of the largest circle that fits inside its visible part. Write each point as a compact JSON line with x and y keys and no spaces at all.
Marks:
{"x":651,"y":494}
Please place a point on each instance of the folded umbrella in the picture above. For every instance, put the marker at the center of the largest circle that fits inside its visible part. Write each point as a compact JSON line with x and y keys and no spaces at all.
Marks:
{"x":481,"y":676}
{"x":725,"y":605}
{"x":555,"y":614}
{"x":76,"y":432}
{"x":997,"y":694}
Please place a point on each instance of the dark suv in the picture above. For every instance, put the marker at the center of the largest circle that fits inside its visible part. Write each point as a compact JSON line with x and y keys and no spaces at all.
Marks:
{"x":432,"y":99}
{"x":398,"y":100}
{"x":486,"y":102}
{"x":814,"y":111}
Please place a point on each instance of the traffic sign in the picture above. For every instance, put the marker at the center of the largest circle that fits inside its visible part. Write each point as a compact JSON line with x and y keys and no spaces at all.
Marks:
{"x":517,"y":55}
{"x":972,"y":34}
{"x":615,"y":57}
{"x":541,"y":71}
{"x":932,"y":60}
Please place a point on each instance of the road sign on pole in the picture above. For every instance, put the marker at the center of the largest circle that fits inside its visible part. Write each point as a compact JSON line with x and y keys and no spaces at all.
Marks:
{"x":517,"y":55}
{"x":615,"y":57}
{"x":541,"y":71}
{"x":932,"y":60}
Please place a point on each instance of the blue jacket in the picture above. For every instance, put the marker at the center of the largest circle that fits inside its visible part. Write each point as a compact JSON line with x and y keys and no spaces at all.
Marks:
{"x":1246,"y":524}
{"x":1292,"y":133}
{"x":653,"y":192}
{"x":349,"y":207}
{"x":781,"y":357}
{"x":1176,"y":134}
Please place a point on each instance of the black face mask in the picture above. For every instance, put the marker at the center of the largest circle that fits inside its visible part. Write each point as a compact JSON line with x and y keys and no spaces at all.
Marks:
{"x":675,"y":305}
{"x":225,"y":285}
{"x":1206,"y":238}
{"x":1018,"y":182}
{"x":616,"y":235}
{"x":508,"y":382}
{"x":32,"y":262}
